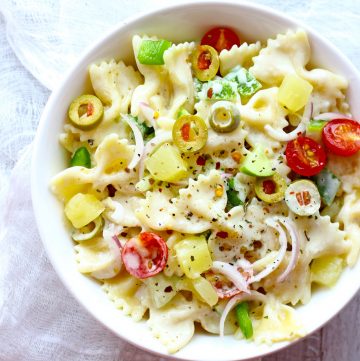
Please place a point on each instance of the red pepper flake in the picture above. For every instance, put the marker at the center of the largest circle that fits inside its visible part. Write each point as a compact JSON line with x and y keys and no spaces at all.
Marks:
{"x":160,"y":190}
{"x":210,"y":93}
{"x":169,"y":231}
{"x":90,"y":109}
{"x":236,"y":156}
{"x":222,"y":234}
{"x":217,"y":165}
{"x":111,"y":190}
{"x":269,"y":186}
{"x":185,"y":132}
{"x":200,"y":161}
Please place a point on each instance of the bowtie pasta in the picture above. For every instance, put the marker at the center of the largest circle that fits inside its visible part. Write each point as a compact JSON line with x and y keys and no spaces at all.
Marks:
{"x":213,"y":183}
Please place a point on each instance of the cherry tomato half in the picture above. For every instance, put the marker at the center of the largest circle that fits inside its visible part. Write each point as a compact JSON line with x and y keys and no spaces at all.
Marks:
{"x":145,"y":255}
{"x":342,"y":136}
{"x":223,"y":287}
{"x":220,"y":39}
{"x":305,"y":156}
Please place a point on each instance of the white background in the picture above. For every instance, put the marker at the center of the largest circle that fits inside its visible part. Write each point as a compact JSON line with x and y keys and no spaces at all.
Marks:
{"x":39,"y":40}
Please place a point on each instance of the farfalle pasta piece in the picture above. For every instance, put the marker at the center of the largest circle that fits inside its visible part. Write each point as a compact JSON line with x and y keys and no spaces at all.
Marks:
{"x":91,"y":137}
{"x":120,"y":210}
{"x":348,"y":168}
{"x":70,"y":182}
{"x":278,"y":323}
{"x":113,"y":154}
{"x":209,"y":319}
{"x":173,"y":324}
{"x":71,"y":141}
{"x":113,"y":84}
{"x":255,"y":136}
{"x":159,"y":212}
{"x":192,"y":212}
{"x":238,"y":55}
{"x":99,"y":258}
{"x":349,"y":216}
{"x":244,"y":227}
{"x":201,"y":196}
{"x":264,"y":108}
{"x":318,"y":237}
{"x":122,"y":290}
{"x":177,"y":62}
{"x":286,"y":54}
{"x":329,"y":90}
{"x":225,"y":141}
{"x":156,"y":90}
{"x":112,"y":158}
{"x":296,"y":288}
{"x":321,"y":237}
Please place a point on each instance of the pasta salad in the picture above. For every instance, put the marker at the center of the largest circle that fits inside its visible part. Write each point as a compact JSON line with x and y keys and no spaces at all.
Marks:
{"x":214,"y":183}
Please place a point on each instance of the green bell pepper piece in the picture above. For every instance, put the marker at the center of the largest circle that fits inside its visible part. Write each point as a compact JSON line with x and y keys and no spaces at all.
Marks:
{"x":243,"y":318}
{"x":151,"y":52}
{"x":328,"y":184}
{"x":232,"y":195}
{"x":146,"y":131}
{"x":316,"y":125}
{"x":246,"y":83}
{"x":81,"y":158}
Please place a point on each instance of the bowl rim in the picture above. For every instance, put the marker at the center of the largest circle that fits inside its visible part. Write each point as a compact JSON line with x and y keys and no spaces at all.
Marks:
{"x":35,"y":194}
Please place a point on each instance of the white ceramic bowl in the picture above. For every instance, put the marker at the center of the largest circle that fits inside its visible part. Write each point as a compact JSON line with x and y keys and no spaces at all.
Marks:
{"x":178,"y":23}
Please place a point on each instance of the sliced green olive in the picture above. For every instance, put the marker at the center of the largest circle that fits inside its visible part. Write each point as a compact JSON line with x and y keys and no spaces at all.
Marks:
{"x":81,"y":158}
{"x":271,"y":189}
{"x":303,"y":197}
{"x":205,"y":62}
{"x":225,"y":117}
{"x":190,"y":133}
{"x":89,"y":231}
{"x":86,"y":111}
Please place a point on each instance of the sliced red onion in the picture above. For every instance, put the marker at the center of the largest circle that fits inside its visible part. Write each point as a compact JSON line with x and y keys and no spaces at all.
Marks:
{"x":117,"y":241}
{"x":232,"y":274}
{"x":272,"y":222}
{"x":246,"y":266}
{"x":150,"y":146}
{"x":295,"y":247}
{"x":281,"y":136}
{"x":113,"y":267}
{"x":226,"y":175}
{"x":253,"y":296}
{"x":148,"y":113}
{"x":331,"y":116}
{"x":139,"y":143}
{"x":110,"y":229}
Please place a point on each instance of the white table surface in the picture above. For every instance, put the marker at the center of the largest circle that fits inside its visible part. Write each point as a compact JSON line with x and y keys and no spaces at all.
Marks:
{"x":339,"y":340}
